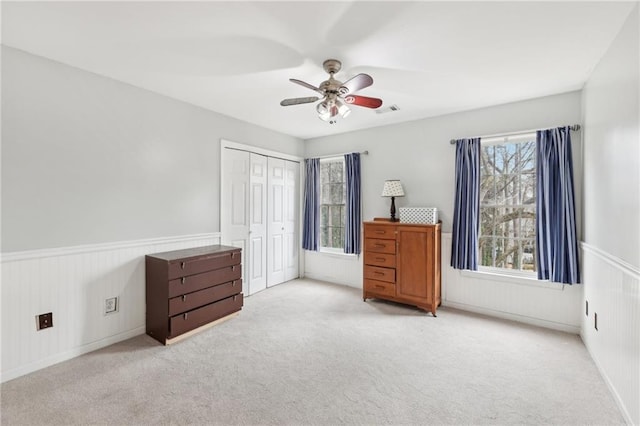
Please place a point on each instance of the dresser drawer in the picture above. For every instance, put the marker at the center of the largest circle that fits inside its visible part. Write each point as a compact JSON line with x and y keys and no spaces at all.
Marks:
{"x":187,"y":302}
{"x":379,"y":287}
{"x":185,"y":267}
{"x":380,"y":259}
{"x":381,"y":232}
{"x":193,"y":319}
{"x":380,"y":246}
{"x":381,"y":274}
{"x":192,"y":283}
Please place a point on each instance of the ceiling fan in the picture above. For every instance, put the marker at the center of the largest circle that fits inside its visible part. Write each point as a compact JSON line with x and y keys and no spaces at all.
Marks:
{"x":337,"y":95}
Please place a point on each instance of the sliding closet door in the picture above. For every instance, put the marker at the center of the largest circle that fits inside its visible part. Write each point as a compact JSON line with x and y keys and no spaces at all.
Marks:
{"x":260,"y":197}
{"x":292,"y":213}
{"x":276,"y":221}
{"x":234,"y":214}
{"x":257,"y":224}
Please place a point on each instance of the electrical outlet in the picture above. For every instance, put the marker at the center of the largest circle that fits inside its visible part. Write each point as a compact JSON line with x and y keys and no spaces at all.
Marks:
{"x":111,"y":305}
{"x":44,"y":321}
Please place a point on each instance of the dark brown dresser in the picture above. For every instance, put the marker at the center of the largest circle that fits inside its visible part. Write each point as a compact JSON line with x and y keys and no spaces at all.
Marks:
{"x":187,"y":290}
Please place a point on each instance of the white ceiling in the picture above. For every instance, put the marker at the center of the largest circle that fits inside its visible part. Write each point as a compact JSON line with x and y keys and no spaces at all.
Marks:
{"x":236,"y":58}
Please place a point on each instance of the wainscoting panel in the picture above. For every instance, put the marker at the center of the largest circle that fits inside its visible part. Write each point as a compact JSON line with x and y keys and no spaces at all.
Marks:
{"x":612,"y":289}
{"x":530,"y":301}
{"x":73,"y":283}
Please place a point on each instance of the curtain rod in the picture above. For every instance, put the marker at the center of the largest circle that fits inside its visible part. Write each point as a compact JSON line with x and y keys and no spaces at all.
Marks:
{"x":338,"y":155}
{"x":575,"y":127}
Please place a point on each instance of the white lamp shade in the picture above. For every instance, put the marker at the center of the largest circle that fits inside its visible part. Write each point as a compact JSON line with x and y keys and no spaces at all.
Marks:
{"x":392,"y":188}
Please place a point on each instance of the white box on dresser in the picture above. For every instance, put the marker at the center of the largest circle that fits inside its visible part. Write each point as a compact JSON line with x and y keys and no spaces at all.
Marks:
{"x":426,"y":215}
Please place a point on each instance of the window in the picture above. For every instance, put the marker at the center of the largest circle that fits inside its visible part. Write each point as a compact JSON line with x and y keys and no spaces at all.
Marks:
{"x":332,"y":204}
{"x":508,"y":203}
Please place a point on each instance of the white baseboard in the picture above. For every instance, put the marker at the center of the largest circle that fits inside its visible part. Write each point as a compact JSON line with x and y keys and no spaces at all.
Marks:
{"x":513,"y":317}
{"x":70,"y":354}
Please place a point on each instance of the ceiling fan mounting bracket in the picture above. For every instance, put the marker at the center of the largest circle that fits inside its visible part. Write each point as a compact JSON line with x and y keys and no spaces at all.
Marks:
{"x":332,"y":66}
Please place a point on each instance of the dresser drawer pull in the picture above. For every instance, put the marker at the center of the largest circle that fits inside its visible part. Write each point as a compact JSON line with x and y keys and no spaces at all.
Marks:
{"x":182,"y":265}
{"x":234,"y":297}
{"x":379,"y":245}
{"x":380,"y":259}
{"x":379,"y":286}
{"x":233,"y":255}
{"x":185,"y":315}
{"x":184,"y":297}
{"x":183,"y":280}
{"x":381,"y":232}
{"x":378,"y":273}
{"x":233,"y":283}
{"x":233,"y":268}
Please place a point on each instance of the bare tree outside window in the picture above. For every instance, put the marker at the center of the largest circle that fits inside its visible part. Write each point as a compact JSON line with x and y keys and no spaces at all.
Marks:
{"x":508,"y":204}
{"x":332,"y":203}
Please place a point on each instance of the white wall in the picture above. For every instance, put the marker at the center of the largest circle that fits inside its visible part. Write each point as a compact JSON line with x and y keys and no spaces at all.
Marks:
{"x":611,"y":261}
{"x":87,"y":159}
{"x":420,"y":155}
{"x":96,"y":174}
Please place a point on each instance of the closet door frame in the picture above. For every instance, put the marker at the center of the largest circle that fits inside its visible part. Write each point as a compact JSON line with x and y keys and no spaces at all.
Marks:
{"x":224,"y":213}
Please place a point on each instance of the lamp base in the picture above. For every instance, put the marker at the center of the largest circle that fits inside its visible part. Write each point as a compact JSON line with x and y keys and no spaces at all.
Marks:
{"x":393,"y":210}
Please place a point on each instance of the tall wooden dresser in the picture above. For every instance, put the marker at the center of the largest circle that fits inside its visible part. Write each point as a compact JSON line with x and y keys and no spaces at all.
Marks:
{"x":402,"y":263}
{"x":189,"y":289}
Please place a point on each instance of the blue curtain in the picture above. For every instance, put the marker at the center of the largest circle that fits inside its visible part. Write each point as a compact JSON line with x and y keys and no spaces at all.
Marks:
{"x":466,"y":211}
{"x":311,"y":226}
{"x":353,"y":211}
{"x":556,"y":239}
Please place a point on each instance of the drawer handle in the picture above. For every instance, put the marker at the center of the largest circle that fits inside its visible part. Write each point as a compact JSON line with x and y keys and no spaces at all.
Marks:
{"x":380,"y":259}
{"x":381,"y":232}
{"x":233,"y":283}
{"x":378,"y":273}
{"x":233,"y":255}
{"x":379,"y":245}
{"x":233,"y":268}
{"x":182,"y":265}
{"x":184,"y":297}
{"x":185,"y":315}
{"x":379,"y":286}
{"x":183,"y":280}
{"x":234,"y":297}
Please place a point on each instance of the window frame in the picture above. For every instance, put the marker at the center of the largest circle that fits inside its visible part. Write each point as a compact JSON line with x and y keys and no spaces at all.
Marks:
{"x":520,"y":137}
{"x":321,"y":248}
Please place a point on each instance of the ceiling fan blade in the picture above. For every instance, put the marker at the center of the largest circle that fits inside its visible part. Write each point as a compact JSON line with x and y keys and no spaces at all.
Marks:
{"x":298,"y":101}
{"x":356,"y":83}
{"x":307,"y":85}
{"x":363,"y":101}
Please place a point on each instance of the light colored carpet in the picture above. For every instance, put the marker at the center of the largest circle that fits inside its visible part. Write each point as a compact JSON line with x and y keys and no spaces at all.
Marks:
{"x":307,"y":352}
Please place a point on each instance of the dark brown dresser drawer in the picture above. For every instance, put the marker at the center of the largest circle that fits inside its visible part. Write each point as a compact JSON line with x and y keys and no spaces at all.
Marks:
{"x":187,"y":302}
{"x":380,"y":259}
{"x":381,"y":274}
{"x":380,"y":231}
{"x":193,"y":319}
{"x":184,"y":267}
{"x":380,"y":246}
{"x":197,"y":282}
{"x":380,"y":287}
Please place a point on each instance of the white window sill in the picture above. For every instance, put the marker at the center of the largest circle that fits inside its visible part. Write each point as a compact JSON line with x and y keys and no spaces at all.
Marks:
{"x":336,"y":254}
{"x":512,"y":279}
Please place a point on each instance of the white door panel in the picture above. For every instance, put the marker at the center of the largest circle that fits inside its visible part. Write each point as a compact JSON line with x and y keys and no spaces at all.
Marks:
{"x":234,"y":216}
{"x":258,"y":223}
{"x":275,"y":218}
